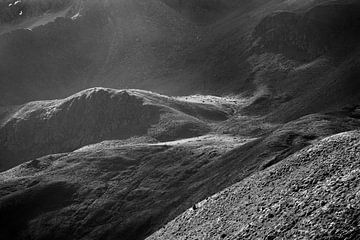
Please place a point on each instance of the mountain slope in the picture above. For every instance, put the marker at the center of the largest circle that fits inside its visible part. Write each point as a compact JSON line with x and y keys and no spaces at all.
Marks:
{"x":117,"y":189}
{"x":120,"y":164}
{"x":40,"y":128}
{"x":312,"y":194}
{"x":110,"y":190}
{"x":130,"y":188}
{"x":293,"y":51}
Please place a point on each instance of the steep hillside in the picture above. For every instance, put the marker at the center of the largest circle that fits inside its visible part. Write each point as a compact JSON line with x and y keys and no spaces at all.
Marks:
{"x":40,"y":128}
{"x":312,"y":194}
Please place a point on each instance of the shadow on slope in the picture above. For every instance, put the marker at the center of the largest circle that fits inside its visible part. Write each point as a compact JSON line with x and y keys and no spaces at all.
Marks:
{"x":34,"y":200}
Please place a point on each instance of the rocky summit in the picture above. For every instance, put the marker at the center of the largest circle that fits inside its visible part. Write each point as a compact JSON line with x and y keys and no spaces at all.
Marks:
{"x":171,"y":119}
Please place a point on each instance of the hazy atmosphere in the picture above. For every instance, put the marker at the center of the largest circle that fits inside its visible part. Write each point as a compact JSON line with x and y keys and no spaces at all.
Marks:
{"x":179,"y":119}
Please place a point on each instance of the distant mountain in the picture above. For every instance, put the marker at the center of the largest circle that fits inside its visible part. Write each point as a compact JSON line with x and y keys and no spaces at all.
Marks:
{"x":302,"y":56}
{"x":289,"y":49}
{"x":114,"y":43}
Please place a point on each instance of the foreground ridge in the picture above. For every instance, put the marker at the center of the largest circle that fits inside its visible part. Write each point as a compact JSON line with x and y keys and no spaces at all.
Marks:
{"x":312,"y":194}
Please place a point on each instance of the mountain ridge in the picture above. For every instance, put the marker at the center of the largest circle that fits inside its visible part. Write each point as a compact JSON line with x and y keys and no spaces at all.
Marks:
{"x":247,"y":124}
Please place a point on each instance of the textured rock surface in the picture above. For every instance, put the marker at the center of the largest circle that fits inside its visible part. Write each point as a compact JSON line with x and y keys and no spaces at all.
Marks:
{"x":313,"y":194}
